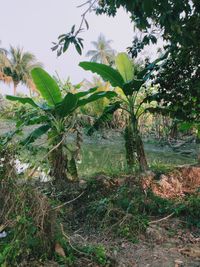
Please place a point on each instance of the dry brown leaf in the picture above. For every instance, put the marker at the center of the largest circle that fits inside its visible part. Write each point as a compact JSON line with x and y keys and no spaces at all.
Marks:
{"x":191,"y":252}
{"x":183,"y":180}
{"x":59,"y":250}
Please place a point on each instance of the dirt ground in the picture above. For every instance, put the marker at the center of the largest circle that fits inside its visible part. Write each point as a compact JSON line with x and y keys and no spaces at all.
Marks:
{"x":167,"y":241}
{"x":166,"y":244}
{"x":177,"y":183}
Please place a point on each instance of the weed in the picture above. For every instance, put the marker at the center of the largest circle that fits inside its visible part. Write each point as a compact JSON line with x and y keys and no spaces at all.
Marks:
{"x":98,"y":254}
{"x":189,"y":208}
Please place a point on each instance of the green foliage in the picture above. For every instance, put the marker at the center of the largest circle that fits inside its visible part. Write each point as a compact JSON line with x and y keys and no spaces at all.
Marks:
{"x":96,"y":96}
{"x":106,"y":72}
{"x":125,"y":67}
{"x":97,"y":253}
{"x":62,"y":106}
{"x":126,"y":210}
{"x":179,"y":78}
{"x":37,"y":133}
{"x":68,"y":104}
{"x":159,"y":167}
{"x":28,"y":235}
{"x":167,"y":16}
{"x":178,"y":90}
{"x":189,"y":208}
{"x":105,"y":116}
{"x":24,"y":100}
{"x":64,"y":40}
{"x":47,"y":86}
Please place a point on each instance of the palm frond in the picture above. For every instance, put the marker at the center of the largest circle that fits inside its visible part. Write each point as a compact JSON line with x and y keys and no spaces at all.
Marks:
{"x":17,"y":65}
{"x":103,"y":52}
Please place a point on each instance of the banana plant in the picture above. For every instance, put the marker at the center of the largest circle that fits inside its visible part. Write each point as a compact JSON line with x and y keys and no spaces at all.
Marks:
{"x":56,"y":116}
{"x":128,"y":99}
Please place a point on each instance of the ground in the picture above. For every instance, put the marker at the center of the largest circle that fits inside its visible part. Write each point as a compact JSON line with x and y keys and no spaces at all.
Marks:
{"x":164,"y":246}
{"x":167,"y":241}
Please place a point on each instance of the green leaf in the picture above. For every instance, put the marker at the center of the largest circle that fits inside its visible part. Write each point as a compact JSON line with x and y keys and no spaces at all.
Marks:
{"x":148,"y":7}
{"x":96,"y":96}
{"x":107,"y":73}
{"x":66,"y":44}
{"x":132,"y":86}
{"x":106,"y":116}
{"x":32,"y":119}
{"x":124,"y":66}
{"x":78,"y":48}
{"x":73,"y":29}
{"x":37,"y":133}
{"x":146,"y":72}
{"x":150,"y":98}
{"x":85,"y":93}
{"x":185,"y":126}
{"x":68,"y":104}
{"x":47,"y":86}
{"x":36,"y":120}
{"x":23,"y":100}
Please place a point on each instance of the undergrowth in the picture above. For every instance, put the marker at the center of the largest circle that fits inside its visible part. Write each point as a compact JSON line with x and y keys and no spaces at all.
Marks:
{"x":33,"y":223}
{"x":126,"y":210}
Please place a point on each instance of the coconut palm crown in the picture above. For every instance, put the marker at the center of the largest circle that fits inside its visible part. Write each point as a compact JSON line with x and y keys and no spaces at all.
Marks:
{"x":2,"y":50}
{"x":102,"y":52}
{"x":15,"y":67}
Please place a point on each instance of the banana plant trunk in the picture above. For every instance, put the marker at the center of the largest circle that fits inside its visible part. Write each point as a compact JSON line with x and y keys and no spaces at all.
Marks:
{"x":58,"y":164}
{"x":142,"y":161}
{"x":130,"y":146}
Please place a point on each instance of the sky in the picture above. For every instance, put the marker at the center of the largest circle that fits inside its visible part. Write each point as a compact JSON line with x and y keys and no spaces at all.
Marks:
{"x":35,"y":24}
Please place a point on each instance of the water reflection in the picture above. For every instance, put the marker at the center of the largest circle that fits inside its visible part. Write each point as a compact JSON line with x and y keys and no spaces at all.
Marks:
{"x":110,"y":157}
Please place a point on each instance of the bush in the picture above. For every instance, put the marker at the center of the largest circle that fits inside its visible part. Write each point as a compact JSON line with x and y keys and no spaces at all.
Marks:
{"x":189,"y":208}
{"x":29,"y":222}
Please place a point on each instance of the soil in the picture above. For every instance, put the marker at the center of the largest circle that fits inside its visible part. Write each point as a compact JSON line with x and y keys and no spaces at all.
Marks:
{"x":177,"y":183}
{"x":165,"y":244}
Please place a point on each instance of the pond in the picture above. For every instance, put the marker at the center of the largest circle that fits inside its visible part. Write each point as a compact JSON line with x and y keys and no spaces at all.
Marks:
{"x":109,"y":155}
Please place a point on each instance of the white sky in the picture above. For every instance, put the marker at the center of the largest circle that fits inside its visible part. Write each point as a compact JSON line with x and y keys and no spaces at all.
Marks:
{"x":34,"y":24}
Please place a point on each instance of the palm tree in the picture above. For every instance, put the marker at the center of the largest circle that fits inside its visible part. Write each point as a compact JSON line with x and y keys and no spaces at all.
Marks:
{"x":15,"y":68}
{"x":103,"y":52}
{"x":2,"y":50}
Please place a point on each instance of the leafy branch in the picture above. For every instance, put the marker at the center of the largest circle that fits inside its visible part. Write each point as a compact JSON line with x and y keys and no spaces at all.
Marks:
{"x":64,"y":40}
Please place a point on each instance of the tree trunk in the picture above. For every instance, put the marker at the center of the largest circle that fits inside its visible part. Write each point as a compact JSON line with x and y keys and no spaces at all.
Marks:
{"x":15,"y":88}
{"x":198,"y":157}
{"x":140,"y":152}
{"x":58,"y":163}
{"x":198,"y":145}
{"x":174,"y":130}
{"x":142,"y":161}
{"x":130,"y":146}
